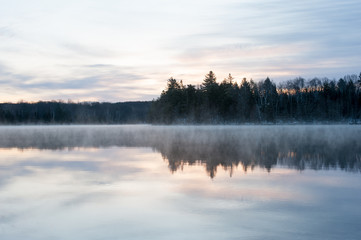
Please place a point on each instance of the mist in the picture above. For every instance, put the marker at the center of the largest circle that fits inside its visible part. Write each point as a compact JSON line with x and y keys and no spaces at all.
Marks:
{"x":293,"y":146}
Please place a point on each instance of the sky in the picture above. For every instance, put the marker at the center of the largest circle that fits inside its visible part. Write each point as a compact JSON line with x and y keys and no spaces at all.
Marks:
{"x":120,"y":50}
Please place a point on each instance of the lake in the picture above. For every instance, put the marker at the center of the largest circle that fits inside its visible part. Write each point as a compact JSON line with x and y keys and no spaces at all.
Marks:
{"x":180,"y":182}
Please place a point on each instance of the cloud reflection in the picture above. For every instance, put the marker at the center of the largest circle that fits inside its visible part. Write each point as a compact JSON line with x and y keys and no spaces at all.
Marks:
{"x":90,"y":182}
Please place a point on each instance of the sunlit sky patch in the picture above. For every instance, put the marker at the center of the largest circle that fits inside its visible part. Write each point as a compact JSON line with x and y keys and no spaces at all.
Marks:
{"x":126,"y":50}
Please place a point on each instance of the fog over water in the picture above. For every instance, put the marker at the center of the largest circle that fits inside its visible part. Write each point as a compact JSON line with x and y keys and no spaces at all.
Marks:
{"x":292,"y":146}
{"x":180,"y":182}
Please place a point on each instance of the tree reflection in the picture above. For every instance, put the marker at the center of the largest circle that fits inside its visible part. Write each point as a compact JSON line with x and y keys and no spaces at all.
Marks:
{"x":265,"y":155}
{"x":297,"y":147}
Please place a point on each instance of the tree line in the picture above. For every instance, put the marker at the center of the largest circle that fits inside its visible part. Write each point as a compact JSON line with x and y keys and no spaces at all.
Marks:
{"x":300,"y":100}
{"x":229,"y":102}
{"x":57,"y":112}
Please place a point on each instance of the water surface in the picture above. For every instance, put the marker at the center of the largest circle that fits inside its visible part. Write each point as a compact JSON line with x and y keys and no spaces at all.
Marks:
{"x":180,"y":182}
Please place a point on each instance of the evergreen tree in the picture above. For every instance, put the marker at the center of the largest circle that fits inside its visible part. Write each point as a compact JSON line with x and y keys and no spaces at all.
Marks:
{"x":246,"y":100}
{"x":268,"y":96}
{"x":209,"y":80}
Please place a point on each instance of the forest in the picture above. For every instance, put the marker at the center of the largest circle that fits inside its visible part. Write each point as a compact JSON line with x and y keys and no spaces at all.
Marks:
{"x":296,"y":100}
{"x":228,"y":102}
{"x":57,"y":112}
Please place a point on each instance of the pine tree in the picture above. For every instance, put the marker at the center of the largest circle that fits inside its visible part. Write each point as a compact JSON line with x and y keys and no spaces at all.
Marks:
{"x":210,"y":79}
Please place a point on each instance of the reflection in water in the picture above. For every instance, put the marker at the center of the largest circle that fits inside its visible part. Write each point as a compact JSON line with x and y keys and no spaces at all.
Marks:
{"x":97,"y":191}
{"x":300,"y":147}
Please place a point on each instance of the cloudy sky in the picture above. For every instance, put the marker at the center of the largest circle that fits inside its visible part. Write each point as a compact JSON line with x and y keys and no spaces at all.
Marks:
{"x":119,"y":50}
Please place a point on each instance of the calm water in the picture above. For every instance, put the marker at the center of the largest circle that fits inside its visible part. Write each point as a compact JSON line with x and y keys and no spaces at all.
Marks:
{"x":195,"y":182}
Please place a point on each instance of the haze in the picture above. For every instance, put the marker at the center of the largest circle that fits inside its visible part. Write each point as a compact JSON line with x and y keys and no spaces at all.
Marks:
{"x":300,"y":147}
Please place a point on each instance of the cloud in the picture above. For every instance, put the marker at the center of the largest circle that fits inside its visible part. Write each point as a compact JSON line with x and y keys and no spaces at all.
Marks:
{"x":99,"y":65}
{"x":278,"y":38}
{"x":92,"y":51}
{"x":6,"y":31}
{"x":113,"y":84}
{"x":98,"y":49}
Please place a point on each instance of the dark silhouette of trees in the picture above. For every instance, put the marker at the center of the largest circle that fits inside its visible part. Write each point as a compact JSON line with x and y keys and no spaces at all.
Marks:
{"x":211,"y":93}
{"x":227,"y":95}
{"x":294,"y":100}
{"x":268,"y":99}
{"x":246,"y":100}
{"x":67,"y":113}
{"x":210,"y":80}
